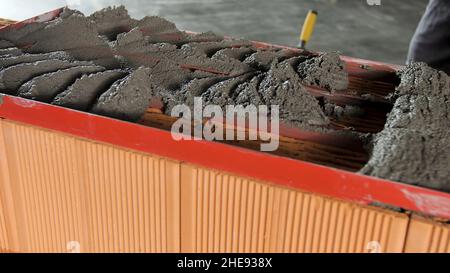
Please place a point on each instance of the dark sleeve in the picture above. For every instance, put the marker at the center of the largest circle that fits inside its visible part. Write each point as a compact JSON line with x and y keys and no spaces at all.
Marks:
{"x":431,"y":42}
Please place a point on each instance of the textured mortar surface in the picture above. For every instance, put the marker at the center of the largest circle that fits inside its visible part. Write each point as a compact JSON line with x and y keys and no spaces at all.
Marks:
{"x":85,"y":90}
{"x":13,"y":77}
{"x":151,"y":59}
{"x":414,"y":146}
{"x":31,"y":58}
{"x":47,"y":86}
{"x":128,"y":98}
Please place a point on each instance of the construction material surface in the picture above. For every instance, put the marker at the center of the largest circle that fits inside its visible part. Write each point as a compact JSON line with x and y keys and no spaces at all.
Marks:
{"x":128,"y":201}
{"x":85,"y":90}
{"x":314,"y":91}
{"x":176,"y":60}
{"x":414,"y":146}
{"x":195,"y":208}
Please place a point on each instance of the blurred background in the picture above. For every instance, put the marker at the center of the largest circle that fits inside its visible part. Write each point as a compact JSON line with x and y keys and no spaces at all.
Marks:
{"x":352,"y":27}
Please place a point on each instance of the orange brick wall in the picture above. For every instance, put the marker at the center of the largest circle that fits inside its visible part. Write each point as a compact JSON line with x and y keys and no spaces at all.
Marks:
{"x":426,"y":236}
{"x":58,"y":189}
{"x":60,"y":193}
{"x":226,"y":213}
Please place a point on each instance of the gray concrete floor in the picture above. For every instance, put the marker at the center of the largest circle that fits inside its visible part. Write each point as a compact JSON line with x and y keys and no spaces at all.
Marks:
{"x":351,"y":27}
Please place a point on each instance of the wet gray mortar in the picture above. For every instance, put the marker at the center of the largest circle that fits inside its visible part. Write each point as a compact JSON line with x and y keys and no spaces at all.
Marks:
{"x":414,"y":146}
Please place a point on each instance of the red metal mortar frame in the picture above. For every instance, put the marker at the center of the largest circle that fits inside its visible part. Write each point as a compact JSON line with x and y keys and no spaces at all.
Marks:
{"x":275,"y":169}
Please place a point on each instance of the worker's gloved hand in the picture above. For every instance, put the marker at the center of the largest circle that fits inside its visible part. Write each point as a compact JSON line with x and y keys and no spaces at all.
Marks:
{"x":431,"y":42}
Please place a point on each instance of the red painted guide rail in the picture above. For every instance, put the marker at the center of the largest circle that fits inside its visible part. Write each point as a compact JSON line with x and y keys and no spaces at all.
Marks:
{"x":278,"y":170}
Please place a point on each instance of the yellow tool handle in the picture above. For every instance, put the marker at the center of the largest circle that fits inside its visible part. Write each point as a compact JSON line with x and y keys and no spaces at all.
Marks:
{"x":308,"y":28}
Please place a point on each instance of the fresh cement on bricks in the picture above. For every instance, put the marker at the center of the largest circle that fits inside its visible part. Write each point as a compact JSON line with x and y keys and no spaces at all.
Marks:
{"x":150,"y":58}
{"x":136,"y":48}
{"x":201,"y":56}
{"x":13,"y":77}
{"x":128,"y":98}
{"x":280,"y":85}
{"x":326,"y":71}
{"x":46,"y":87}
{"x":112,"y":21}
{"x":31,"y":58}
{"x":262,"y":59}
{"x":85,"y":90}
{"x":414,"y":146}
{"x":71,"y":32}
